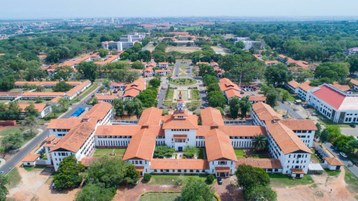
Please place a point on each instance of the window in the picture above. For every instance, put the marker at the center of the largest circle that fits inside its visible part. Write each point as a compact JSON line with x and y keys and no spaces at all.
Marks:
{"x":222,"y":163}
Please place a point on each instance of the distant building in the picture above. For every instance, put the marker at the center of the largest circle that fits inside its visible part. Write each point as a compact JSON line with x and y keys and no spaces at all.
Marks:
{"x":250,"y":43}
{"x":124,"y":43}
{"x":353,"y":50}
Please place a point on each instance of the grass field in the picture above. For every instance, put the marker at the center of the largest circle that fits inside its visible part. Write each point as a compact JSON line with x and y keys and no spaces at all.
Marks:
{"x":351,"y":180}
{"x":14,"y":178}
{"x":182,"y":49}
{"x":240,"y":153}
{"x":166,"y":179}
{"x":160,"y":196}
{"x":333,"y":173}
{"x":9,"y":130}
{"x":195,"y":94}
{"x":285,"y":180}
{"x":109,"y":152}
{"x":182,"y":81}
{"x":170,"y":94}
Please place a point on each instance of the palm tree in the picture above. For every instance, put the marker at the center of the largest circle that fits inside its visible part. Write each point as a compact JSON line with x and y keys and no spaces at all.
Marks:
{"x":260,"y":142}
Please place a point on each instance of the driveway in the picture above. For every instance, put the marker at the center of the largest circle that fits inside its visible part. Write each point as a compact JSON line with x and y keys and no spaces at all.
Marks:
{"x":229,"y":190}
{"x":349,"y":131}
{"x":290,"y":108}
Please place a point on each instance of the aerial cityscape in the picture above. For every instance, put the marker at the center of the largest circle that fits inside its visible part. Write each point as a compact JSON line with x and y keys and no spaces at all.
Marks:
{"x":194,"y":101}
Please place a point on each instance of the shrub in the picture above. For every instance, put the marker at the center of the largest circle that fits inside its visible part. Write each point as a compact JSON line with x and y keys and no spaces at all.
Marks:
{"x":210,"y":179}
{"x":147,"y":177}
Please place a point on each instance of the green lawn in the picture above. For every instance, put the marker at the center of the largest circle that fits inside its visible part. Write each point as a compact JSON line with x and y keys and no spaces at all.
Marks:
{"x":195,"y":94}
{"x":286,"y":180}
{"x":160,"y":196}
{"x":166,"y":179}
{"x":169,"y":95}
{"x":9,"y":130}
{"x":182,"y":81}
{"x":240,"y":153}
{"x":333,"y":173}
{"x":14,"y":178}
{"x":351,"y":180}
{"x":109,"y":152}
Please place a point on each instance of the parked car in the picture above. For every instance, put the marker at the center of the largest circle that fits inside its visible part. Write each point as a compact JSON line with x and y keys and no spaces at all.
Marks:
{"x":343,"y":154}
{"x":352,"y":125}
{"x":220,"y":180}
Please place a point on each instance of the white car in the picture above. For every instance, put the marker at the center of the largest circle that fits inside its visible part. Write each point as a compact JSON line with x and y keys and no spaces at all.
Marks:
{"x":343,"y":154}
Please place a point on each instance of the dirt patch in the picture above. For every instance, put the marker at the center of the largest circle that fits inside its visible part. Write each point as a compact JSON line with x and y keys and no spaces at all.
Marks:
{"x":35,"y":185}
{"x":324,"y":188}
{"x":228,"y":190}
{"x":182,"y":49}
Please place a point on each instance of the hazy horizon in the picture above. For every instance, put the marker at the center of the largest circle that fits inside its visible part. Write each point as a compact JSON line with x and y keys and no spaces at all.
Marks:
{"x":59,"y":9}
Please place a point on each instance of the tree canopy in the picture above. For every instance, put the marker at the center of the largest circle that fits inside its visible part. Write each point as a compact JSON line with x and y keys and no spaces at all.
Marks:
{"x":68,"y":174}
{"x":195,"y":190}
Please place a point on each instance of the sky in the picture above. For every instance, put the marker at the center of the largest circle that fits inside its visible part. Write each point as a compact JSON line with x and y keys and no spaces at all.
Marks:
{"x":35,"y":9}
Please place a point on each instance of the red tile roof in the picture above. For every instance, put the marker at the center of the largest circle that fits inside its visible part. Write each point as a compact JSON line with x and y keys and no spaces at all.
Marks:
{"x":38,"y":106}
{"x":218,"y":146}
{"x":299,"y":124}
{"x":179,"y":164}
{"x":31,"y":157}
{"x":329,"y":96}
{"x":98,"y":111}
{"x":293,"y":84}
{"x":66,"y":123}
{"x":333,"y":161}
{"x":265,"y":163}
{"x":117,"y":130}
{"x":211,"y":116}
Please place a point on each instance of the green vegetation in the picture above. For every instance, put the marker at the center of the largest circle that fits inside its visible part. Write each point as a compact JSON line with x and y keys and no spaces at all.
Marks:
{"x":147,"y":177}
{"x":173,"y":179}
{"x":351,"y":180}
{"x":333,"y":134}
{"x":154,"y":196}
{"x":240,"y":153}
{"x":62,"y":87}
{"x":333,"y":173}
{"x":86,"y":92}
{"x":285,"y":180}
{"x":68,"y":174}
{"x":3,"y":189}
{"x":14,"y":178}
{"x":190,"y":152}
{"x":255,"y":183}
{"x":128,"y":107}
{"x":95,"y":192}
{"x":10,"y":130}
{"x":210,"y":179}
{"x":117,"y":153}
{"x":195,"y":94}
{"x":163,"y":152}
{"x":148,"y":97}
{"x":182,"y":81}
{"x":169,"y":95}
{"x":196,"y":189}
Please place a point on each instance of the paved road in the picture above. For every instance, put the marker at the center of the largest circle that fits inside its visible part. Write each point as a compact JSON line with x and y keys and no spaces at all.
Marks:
{"x":23,"y":151}
{"x":162,"y":92}
{"x":286,"y":107}
{"x":345,"y":161}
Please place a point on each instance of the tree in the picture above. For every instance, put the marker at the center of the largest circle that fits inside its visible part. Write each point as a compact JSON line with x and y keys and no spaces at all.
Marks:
{"x":249,"y":176}
{"x":7,"y":83}
{"x":118,"y":105}
{"x":30,"y":122}
{"x":64,"y":103}
{"x":148,"y":97}
{"x":353,"y":62}
{"x":68,"y":174}
{"x":95,"y":192}
{"x":234,"y":107}
{"x":133,"y":107}
{"x":189,"y":152}
{"x":12,"y":141}
{"x":260,"y":142}
{"x":245,"y":106}
{"x":332,"y":71}
{"x":271,"y":98}
{"x":137,"y":65}
{"x":260,"y":193}
{"x":155,"y":82}
{"x":195,"y":190}
{"x":147,"y":177}
{"x":210,"y":179}
{"x":62,"y":86}
{"x":277,"y":75}
{"x":63,"y":73}
{"x":111,"y":172}
{"x":3,"y":189}
{"x":31,"y":110}
{"x":103,"y":52}
{"x":210,"y":79}
{"x":88,"y":70}
{"x":163,"y":151}
{"x":216,"y":99}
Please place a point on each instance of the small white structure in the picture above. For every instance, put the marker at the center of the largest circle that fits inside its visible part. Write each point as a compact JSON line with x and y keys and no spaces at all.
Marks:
{"x":332,"y":163}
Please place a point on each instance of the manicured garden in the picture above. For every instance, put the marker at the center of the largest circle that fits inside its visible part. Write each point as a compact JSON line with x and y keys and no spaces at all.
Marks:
{"x":166,"y":179}
{"x":109,"y":152}
{"x":240,"y":153}
{"x":182,"y":81}
{"x":195,"y":94}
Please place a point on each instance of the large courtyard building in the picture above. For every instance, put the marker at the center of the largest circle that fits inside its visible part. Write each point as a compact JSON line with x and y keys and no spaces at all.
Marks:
{"x":124,"y":43}
{"x":288,"y":140}
{"x":336,"y":105}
